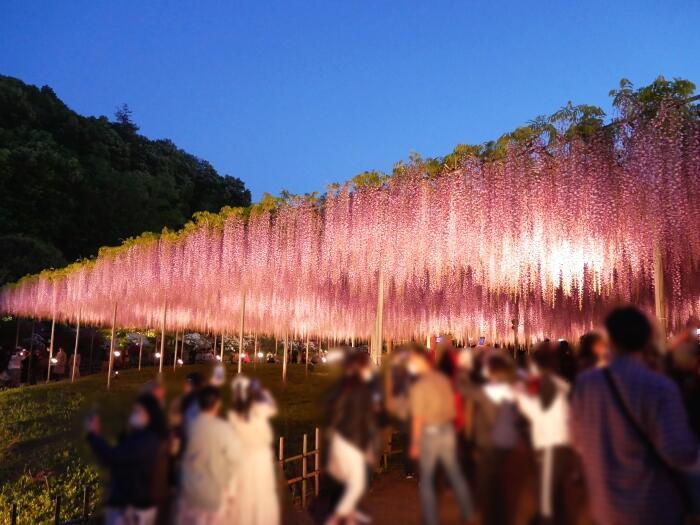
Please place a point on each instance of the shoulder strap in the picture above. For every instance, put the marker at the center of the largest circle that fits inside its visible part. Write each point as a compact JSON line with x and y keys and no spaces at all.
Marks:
{"x":627,"y":413}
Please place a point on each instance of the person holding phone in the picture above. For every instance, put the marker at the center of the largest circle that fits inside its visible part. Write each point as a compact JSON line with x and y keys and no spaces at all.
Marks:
{"x":133,"y":462}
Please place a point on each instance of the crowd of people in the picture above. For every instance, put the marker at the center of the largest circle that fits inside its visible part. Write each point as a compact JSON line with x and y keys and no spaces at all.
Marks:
{"x":612,"y":427}
{"x":188,"y":463}
{"x":603,"y":432}
{"x":32,"y":366}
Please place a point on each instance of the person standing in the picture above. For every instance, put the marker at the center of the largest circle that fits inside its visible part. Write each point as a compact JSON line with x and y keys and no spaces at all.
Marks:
{"x":353,"y":428}
{"x":208,"y":464}
{"x":592,"y":352}
{"x":398,"y":406}
{"x":14,"y":366}
{"x":253,"y":490}
{"x":547,"y":410}
{"x":5,"y":356}
{"x":133,"y":463}
{"x":183,"y":411}
{"x":630,"y":427}
{"x":59,"y":367}
{"x":433,"y":438}
{"x":495,"y":434}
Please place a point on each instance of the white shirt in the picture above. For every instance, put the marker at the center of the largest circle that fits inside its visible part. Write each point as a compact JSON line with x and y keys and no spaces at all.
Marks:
{"x":550,"y":426}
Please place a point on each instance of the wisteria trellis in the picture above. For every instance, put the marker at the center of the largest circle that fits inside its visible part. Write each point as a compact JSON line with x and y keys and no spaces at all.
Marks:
{"x":551,"y":237}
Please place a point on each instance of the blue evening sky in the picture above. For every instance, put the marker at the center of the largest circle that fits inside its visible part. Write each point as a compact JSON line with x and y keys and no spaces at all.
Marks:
{"x":298,"y":94}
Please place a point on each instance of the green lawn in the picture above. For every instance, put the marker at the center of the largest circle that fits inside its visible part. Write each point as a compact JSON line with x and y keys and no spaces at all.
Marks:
{"x":43,"y":453}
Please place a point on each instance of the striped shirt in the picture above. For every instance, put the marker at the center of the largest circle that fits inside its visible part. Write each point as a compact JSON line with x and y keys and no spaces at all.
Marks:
{"x":627,"y":485}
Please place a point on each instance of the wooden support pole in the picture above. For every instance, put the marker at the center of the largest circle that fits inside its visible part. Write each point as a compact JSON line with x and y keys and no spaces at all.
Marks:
{"x":240,"y":336}
{"x":30,"y":376}
{"x":379,"y":322}
{"x":111,"y":347}
{"x":306,"y":360}
{"x":175,"y":352}
{"x":280,"y":452}
{"x":162,"y":338}
{"x":255,"y":351}
{"x":53,"y":331}
{"x":75,"y":350}
{"x":284,"y":358}
{"x":140,"y":349}
{"x":221,"y":358}
{"x":659,"y":299}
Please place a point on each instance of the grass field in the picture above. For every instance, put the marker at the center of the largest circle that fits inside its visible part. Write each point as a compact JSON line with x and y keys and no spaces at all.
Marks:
{"x":43,"y":452}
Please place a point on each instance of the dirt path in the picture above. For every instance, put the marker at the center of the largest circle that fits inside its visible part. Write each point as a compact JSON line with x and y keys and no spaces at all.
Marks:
{"x":394,"y":500}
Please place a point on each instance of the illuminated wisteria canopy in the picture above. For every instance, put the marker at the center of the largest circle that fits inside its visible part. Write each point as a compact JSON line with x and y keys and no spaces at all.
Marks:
{"x":551,"y":236}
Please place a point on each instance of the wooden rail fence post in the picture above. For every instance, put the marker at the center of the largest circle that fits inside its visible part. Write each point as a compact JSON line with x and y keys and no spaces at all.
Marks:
{"x":304,"y":470}
{"x":317,"y":460}
{"x":86,"y":503}
{"x":57,"y":511}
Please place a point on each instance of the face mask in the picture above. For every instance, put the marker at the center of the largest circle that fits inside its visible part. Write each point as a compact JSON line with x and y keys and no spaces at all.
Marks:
{"x":138,"y":420}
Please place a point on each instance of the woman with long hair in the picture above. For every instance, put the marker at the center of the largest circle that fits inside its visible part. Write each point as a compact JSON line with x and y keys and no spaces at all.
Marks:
{"x":253,"y":492}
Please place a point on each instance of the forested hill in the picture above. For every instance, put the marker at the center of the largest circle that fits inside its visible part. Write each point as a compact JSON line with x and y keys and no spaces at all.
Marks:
{"x":70,"y":184}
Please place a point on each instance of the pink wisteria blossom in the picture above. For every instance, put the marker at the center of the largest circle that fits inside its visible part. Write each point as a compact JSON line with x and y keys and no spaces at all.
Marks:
{"x":550,"y":237}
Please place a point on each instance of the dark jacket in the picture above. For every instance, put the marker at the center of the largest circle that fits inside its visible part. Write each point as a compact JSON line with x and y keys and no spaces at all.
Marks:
{"x":351,"y":412}
{"x":132,"y":463}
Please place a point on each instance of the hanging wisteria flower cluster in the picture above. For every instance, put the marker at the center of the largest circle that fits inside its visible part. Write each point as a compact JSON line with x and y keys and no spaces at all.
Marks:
{"x":546,"y":237}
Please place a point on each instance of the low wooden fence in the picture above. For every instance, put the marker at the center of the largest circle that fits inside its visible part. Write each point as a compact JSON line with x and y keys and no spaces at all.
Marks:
{"x":84,"y":519}
{"x":300,"y":468}
{"x":301,"y":476}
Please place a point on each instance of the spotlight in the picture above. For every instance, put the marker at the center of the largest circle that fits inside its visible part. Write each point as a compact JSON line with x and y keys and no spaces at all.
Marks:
{"x":218,"y":358}
{"x":117,"y":353}
{"x":260,"y":355}
{"x":179,"y":361}
{"x":157,"y":355}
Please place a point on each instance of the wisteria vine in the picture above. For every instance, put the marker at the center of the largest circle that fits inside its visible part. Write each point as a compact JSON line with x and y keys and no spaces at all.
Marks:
{"x":550,"y":237}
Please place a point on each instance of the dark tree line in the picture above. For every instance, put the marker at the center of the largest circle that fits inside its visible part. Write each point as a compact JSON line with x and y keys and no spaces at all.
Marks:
{"x":70,"y":184}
